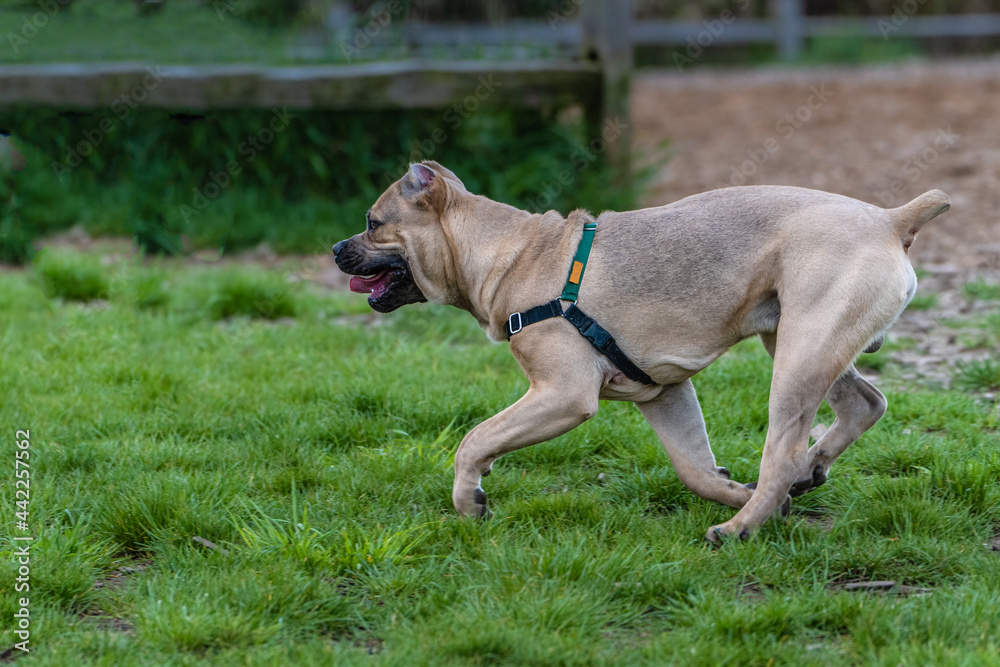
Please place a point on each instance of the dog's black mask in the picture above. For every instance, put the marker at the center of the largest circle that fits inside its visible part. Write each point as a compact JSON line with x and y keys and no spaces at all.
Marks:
{"x":385,"y":278}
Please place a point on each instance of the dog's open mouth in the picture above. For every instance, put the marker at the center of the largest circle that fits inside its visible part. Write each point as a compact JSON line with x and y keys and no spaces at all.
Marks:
{"x":376,"y":285}
{"x":388,"y":286}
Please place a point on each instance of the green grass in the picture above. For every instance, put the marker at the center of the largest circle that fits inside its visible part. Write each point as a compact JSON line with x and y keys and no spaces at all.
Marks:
{"x":252,"y":293}
{"x":316,"y":451}
{"x":70,"y":276}
{"x":97,"y":30}
{"x":858,"y":50}
{"x":978,"y":375}
{"x":981,"y":290}
{"x":923,"y":302}
{"x":882,"y":359}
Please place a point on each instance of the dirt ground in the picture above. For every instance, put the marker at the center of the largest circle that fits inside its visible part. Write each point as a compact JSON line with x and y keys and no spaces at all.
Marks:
{"x":882,"y":134}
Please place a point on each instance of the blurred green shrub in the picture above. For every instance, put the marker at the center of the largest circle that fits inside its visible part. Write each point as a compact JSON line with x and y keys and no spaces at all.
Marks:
{"x":138,"y":286}
{"x":858,"y":49}
{"x":270,"y":12}
{"x":15,"y":237}
{"x":70,"y":276}
{"x":255,"y":294}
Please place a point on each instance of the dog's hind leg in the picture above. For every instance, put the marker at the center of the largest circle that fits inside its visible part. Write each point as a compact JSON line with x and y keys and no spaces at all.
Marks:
{"x":857,"y":404}
{"x":676,"y":417}
{"x":798,"y":385}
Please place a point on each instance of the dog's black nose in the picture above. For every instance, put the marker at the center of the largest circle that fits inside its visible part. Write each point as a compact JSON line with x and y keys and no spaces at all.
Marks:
{"x":337,"y":247}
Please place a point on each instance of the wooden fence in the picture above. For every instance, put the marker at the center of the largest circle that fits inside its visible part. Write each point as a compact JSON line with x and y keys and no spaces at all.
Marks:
{"x":588,"y":56}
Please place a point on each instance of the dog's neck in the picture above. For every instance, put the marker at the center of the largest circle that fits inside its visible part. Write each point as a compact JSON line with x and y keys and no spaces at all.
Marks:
{"x":492,"y":247}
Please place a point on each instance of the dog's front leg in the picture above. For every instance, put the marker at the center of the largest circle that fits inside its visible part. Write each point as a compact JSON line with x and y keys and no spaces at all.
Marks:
{"x":676,"y":417}
{"x":544,"y":412}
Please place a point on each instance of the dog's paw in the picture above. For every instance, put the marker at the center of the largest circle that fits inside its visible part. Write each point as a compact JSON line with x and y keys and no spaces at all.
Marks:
{"x":479,"y":508}
{"x":817,"y":479}
{"x":474,"y":507}
{"x":716,"y":535}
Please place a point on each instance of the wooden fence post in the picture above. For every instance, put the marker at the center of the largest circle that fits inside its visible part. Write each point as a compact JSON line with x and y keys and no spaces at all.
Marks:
{"x":607,"y":28}
{"x":788,"y":26}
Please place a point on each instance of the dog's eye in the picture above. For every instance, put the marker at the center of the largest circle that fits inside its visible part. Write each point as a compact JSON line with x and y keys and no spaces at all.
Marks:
{"x":372,"y":222}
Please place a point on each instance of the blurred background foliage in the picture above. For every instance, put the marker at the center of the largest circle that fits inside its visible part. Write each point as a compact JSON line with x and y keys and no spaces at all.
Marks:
{"x":301,"y":31}
{"x":312,"y":185}
{"x":168,"y":179}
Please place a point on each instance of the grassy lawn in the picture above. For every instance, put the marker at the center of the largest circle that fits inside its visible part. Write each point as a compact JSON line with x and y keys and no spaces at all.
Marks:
{"x":311,"y":443}
{"x":214,"y":32}
{"x":102,"y":31}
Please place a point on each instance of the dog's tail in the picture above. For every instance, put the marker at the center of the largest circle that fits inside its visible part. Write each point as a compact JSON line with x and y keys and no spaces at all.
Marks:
{"x":909,"y":218}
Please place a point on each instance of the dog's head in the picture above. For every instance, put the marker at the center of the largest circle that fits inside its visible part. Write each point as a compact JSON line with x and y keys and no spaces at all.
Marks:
{"x":403,"y":253}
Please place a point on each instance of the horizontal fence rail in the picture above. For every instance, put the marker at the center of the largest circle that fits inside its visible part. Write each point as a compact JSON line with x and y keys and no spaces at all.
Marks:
{"x":411,"y":84}
{"x":790,"y":31}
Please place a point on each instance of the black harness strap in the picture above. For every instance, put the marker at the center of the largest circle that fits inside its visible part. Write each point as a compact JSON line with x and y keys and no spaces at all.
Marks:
{"x":588,"y":328}
{"x":518,"y":321}
{"x":605,"y":343}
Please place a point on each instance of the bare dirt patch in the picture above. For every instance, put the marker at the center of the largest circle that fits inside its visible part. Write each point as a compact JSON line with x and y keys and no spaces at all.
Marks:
{"x":877,"y":126}
{"x":114,"y":582}
{"x":120,"y":576}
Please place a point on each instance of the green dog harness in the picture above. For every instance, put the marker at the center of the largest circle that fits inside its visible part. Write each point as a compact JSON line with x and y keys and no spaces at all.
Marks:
{"x":588,"y":328}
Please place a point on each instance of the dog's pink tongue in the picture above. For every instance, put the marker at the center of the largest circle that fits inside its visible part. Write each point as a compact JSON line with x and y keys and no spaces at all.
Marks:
{"x":366,"y":285}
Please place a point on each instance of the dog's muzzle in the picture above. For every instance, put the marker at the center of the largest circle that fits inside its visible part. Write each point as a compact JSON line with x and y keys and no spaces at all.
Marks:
{"x":385,"y":278}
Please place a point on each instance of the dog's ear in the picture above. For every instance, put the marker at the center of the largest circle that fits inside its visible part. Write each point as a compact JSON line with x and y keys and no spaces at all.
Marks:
{"x":444,"y":171}
{"x":418,"y":181}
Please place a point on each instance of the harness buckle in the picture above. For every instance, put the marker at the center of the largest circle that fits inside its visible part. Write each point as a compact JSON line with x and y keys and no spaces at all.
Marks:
{"x":599,"y":337}
{"x":510,"y":323}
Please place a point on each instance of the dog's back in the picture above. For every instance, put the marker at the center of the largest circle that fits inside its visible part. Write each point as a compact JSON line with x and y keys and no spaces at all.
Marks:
{"x":714,"y":268}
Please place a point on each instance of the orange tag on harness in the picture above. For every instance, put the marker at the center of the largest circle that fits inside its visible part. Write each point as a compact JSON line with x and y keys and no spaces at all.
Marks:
{"x":574,"y":275}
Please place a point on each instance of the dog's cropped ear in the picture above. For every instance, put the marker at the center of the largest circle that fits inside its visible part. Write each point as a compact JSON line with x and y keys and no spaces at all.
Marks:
{"x":444,"y":171}
{"x":418,"y":181}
